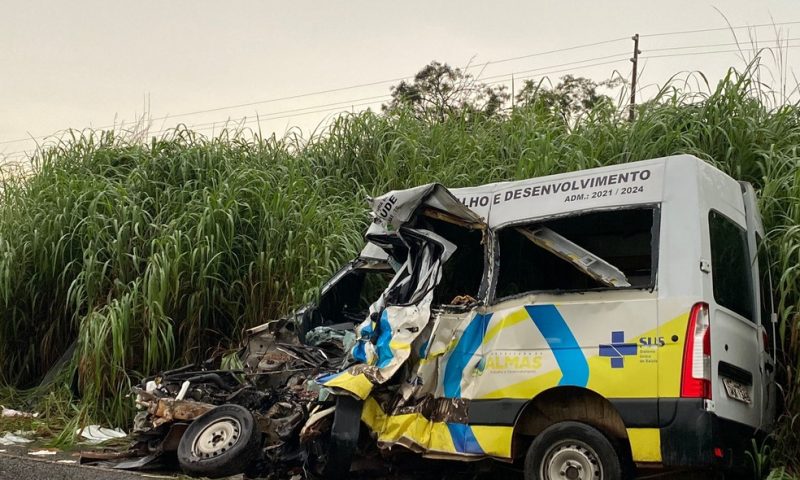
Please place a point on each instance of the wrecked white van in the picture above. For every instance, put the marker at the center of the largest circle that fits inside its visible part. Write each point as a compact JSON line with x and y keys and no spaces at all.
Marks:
{"x":587,"y":321}
{"x":584,"y":323}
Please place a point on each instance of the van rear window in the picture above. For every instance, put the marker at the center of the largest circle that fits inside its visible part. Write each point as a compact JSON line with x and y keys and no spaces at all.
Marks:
{"x":730,"y":268}
{"x":598,"y":250}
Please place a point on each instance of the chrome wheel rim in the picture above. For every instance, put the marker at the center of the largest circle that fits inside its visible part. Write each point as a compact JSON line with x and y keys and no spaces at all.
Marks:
{"x":571,"y":460}
{"x":217,"y":438}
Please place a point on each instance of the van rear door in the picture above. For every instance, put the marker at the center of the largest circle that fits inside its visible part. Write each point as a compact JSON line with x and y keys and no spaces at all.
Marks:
{"x":735,"y":359}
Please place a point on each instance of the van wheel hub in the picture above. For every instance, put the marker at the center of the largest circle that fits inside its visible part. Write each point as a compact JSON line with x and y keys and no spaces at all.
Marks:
{"x":571,"y":461}
{"x":217,"y":438}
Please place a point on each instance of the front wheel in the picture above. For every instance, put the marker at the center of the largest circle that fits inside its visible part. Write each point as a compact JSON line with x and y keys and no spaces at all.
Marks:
{"x":222,"y":442}
{"x":572,"y":451}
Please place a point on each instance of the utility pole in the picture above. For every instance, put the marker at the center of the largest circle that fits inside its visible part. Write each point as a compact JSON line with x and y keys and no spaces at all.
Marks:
{"x":635,"y":61}
{"x":513,"y":105}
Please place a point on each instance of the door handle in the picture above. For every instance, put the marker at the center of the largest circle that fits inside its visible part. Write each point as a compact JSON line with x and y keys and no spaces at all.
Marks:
{"x":769,"y":367}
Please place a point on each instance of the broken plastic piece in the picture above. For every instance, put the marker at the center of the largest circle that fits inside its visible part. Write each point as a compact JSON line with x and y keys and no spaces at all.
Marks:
{"x":97,"y":434}
{"x":13,"y":439}
{"x":43,"y":452}
{"x":582,"y":259}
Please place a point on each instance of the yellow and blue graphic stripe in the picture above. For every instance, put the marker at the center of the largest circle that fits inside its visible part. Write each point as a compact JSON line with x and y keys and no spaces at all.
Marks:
{"x":565,"y":348}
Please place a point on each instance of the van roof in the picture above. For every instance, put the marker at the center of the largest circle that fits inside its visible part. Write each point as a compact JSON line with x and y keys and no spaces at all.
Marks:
{"x":502,"y":203}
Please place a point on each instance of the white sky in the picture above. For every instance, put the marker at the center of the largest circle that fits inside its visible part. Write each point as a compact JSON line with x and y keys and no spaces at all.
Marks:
{"x":91,"y":63}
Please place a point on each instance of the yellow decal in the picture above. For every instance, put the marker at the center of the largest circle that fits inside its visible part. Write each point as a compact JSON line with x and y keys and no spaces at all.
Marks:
{"x":645,"y":444}
{"x":415,"y":431}
{"x":670,"y":356}
{"x":358,"y":385}
{"x":509,"y":320}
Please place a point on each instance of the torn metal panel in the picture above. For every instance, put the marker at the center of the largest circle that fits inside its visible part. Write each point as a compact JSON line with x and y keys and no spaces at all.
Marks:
{"x":397,"y":207}
{"x":386,"y":336}
{"x":582,"y":259}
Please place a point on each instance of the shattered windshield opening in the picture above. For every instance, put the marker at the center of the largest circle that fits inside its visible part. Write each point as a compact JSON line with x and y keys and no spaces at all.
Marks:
{"x":597,"y":250}
{"x":348,"y":300}
{"x":462,"y":273}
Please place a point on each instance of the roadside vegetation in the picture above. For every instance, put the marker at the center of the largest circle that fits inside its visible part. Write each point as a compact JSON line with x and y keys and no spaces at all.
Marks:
{"x":147,"y":254}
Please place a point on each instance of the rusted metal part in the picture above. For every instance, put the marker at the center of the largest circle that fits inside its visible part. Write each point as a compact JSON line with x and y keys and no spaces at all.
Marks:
{"x":166,"y":410}
{"x":434,"y":409}
{"x":92,"y":456}
{"x":450,"y":218}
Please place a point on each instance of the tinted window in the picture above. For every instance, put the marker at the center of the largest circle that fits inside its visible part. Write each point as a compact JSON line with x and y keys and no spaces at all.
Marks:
{"x":730,"y":268}
{"x":622,"y":238}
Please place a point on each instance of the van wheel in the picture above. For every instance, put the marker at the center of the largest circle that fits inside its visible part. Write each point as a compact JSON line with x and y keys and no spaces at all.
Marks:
{"x":572,"y":451}
{"x":222,"y":442}
{"x":331,"y":455}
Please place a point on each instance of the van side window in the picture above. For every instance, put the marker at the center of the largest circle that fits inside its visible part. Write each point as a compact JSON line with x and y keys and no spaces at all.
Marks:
{"x":587,"y":251}
{"x":730,"y":267}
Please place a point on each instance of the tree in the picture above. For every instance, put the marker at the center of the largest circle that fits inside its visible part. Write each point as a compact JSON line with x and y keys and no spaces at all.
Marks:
{"x":571,"y":97}
{"x":439,"y":91}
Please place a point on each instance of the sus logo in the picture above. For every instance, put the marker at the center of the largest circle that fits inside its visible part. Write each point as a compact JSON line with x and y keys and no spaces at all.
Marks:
{"x":617,"y":350}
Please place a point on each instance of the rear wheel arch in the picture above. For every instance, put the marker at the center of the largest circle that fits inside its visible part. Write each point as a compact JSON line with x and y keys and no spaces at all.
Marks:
{"x":560,"y":404}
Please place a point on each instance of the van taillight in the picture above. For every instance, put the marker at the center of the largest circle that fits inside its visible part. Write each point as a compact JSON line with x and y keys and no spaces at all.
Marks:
{"x":696,"y":375}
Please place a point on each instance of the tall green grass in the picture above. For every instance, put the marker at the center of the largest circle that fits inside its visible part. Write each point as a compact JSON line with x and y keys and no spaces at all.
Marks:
{"x":157,"y":253}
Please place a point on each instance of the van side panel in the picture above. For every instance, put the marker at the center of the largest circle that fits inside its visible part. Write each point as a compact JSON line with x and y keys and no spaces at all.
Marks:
{"x":605,"y":342}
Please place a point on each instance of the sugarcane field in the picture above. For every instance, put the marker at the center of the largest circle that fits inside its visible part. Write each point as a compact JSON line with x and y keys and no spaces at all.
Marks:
{"x":279,"y":241}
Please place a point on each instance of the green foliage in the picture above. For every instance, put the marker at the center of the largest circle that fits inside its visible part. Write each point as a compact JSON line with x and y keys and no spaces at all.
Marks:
{"x":154,"y":254}
{"x":571,"y":96}
{"x":440,"y":91}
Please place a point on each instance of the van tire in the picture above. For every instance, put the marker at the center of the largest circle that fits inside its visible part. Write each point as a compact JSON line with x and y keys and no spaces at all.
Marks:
{"x":222,"y":442}
{"x":572,"y":446}
{"x":330,"y":457}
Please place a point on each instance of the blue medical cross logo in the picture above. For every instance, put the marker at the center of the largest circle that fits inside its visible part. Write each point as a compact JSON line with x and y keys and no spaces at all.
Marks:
{"x":618,"y":349}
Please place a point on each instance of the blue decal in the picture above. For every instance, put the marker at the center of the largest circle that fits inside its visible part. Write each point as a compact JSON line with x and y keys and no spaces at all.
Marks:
{"x":618,"y":349}
{"x":573,"y":365}
{"x":385,"y":354}
{"x":466,"y":347}
{"x":464,"y":439}
{"x":359,"y":351}
{"x":326,"y":378}
{"x":423,"y":349}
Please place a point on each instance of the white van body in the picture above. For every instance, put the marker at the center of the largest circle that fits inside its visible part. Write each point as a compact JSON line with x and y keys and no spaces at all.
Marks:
{"x":668,"y":351}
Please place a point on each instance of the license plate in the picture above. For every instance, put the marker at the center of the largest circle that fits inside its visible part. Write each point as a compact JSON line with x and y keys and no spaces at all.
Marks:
{"x":737,"y":391}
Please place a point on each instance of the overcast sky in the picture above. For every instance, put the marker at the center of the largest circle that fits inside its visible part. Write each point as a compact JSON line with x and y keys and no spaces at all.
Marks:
{"x":91,"y":63}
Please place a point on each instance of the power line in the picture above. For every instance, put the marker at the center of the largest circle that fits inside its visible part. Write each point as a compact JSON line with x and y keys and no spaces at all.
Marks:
{"x":371,"y":100}
{"x":575,"y":63}
{"x":541,"y":71}
{"x":572,"y":69}
{"x":585,"y":45}
{"x":721,"y":45}
{"x":713,"y":52}
{"x":739,"y":27}
{"x":259,"y":118}
{"x":381,"y":82}
{"x":332,"y":90}
{"x":345,"y":103}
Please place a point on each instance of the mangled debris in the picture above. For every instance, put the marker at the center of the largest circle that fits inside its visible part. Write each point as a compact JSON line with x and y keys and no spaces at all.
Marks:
{"x":395,"y":342}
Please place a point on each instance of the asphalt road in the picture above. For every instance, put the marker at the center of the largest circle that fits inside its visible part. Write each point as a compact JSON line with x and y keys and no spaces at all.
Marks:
{"x":21,"y":468}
